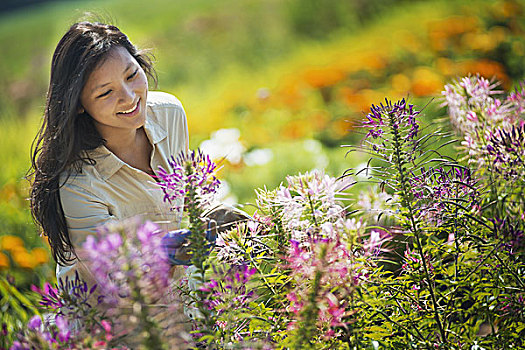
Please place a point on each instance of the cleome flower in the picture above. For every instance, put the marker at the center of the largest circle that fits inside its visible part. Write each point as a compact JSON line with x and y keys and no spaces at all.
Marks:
{"x":436,"y":189}
{"x":307,"y":203}
{"x":189,"y":171}
{"x":398,"y":119}
{"x":128,"y":257}
{"x":506,"y":148}
{"x":327,"y":269}
{"x":477,"y":113}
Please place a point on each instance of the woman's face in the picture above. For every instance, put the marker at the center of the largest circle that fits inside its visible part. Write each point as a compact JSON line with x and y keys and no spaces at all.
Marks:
{"x":115,"y":94}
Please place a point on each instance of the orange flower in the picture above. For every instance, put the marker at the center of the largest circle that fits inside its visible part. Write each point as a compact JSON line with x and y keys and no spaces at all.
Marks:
{"x":362,"y":100}
{"x":290,"y":94}
{"x":374,"y":62}
{"x":40,"y":255}
{"x":4,"y":261}
{"x":322,"y":77}
{"x":426,"y":82}
{"x":400,"y":84}
{"x":340,"y":127}
{"x":294,"y":129}
{"x":10,"y":243}
{"x":444,"y":33}
{"x":445,"y":66}
{"x":23,"y":259}
{"x":486,"y":68}
{"x":319,"y":119}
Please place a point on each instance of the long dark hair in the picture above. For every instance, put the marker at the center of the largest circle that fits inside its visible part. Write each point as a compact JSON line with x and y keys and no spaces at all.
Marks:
{"x":66,"y":134}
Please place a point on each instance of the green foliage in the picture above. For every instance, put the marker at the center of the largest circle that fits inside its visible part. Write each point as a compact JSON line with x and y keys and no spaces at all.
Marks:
{"x":16,"y":308}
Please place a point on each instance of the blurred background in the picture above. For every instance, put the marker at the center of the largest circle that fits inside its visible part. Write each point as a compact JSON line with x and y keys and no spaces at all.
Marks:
{"x":270,"y":87}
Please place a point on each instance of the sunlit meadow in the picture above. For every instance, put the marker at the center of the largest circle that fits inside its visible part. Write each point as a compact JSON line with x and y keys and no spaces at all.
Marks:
{"x":340,"y":252}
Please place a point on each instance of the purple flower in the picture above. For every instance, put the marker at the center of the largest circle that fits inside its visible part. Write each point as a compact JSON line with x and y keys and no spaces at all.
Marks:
{"x":414,"y":263}
{"x":50,"y":296}
{"x":229,"y":292}
{"x":476,"y":112}
{"x":34,"y":323}
{"x":307,"y":203}
{"x":398,"y":116}
{"x":506,"y":148}
{"x":19,"y":346}
{"x":189,"y":171}
{"x":63,"y":329}
{"x":517,"y":99}
{"x":435,"y":189}
{"x":511,"y":232}
{"x":125,"y":254}
{"x":330,"y":259}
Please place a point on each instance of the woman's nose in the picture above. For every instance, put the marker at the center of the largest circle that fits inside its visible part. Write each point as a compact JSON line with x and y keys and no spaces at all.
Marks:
{"x":128,"y":94}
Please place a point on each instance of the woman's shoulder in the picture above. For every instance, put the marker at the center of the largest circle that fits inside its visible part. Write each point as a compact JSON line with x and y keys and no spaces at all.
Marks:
{"x":159,"y":99}
{"x":165,"y":112}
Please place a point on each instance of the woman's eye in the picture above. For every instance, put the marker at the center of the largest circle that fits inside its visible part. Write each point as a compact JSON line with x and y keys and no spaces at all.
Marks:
{"x":133,"y":74}
{"x":104,"y":94}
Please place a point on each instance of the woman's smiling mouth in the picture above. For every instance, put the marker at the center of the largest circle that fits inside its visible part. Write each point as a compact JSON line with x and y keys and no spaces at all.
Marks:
{"x":131,"y":112}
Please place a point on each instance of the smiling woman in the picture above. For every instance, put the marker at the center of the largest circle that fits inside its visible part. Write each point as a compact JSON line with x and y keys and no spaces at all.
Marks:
{"x":102,"y":136}
{"x":115,"y":97}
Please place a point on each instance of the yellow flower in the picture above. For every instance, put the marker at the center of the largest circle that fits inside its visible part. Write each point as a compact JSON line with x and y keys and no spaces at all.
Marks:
{"x":4,"y":261}
{"x":10,"y":243}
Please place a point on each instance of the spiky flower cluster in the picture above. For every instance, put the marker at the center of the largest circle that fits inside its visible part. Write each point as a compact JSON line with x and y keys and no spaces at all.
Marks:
{"x":193,"y":170}
{"x":231,"y":244}
{"x":72,"y":299}
{"x":73,"y":323}
{"x":308,"y":203}
{"x":511,"y":233}
{"x":398,"y":118}
{"x":506,"y":148}
{"x":471,"y":102}
{"x":517,"y":99}
{"x":128,"y":257}
{"x":59,"y":335}
{"x":435,"y":191}
{"x":476,"y":112}
{"x":324,"y":278}
{"x":229,"y":293}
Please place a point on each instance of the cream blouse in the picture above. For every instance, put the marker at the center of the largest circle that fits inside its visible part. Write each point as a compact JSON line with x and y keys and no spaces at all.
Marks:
{"x":111,"y":190}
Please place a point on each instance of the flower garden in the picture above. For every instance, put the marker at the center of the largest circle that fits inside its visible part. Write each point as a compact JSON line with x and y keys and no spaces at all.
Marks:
{"x":409,"y":236}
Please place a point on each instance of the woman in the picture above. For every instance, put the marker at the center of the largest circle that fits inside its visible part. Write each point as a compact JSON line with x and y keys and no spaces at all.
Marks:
{"x":103,"y":136}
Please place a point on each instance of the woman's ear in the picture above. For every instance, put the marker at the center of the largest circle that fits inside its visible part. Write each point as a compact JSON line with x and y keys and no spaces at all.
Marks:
{"x":80,"y":110}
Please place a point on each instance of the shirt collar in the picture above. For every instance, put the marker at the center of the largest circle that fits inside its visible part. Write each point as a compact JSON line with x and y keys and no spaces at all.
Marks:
{"x":108,"y":164}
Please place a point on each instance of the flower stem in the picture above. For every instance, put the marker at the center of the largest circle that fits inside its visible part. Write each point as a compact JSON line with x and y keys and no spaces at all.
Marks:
{"x":198,"y":249}
{"x":406,"y":200}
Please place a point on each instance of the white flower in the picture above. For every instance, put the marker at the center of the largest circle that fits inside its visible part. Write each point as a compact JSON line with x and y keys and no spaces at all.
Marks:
{"x":224,"y":143}
{"x":259,"y":156}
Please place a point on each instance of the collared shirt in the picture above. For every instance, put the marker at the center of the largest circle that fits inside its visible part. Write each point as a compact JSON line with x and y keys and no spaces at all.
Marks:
{"x":112,"y":190}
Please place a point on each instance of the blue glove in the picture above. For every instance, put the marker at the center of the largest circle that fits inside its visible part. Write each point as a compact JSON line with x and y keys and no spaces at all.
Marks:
{"x":176,"y":245}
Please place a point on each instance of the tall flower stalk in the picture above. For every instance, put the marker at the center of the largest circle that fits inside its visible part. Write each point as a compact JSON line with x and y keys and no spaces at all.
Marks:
{"x":192,"y":181}
{"x":393,"y":137}
{"x":132,"y":273}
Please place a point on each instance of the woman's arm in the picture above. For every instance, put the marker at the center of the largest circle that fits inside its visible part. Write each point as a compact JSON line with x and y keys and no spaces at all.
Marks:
{"x":84,"y":213}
